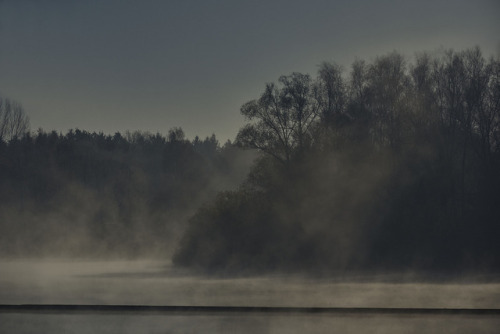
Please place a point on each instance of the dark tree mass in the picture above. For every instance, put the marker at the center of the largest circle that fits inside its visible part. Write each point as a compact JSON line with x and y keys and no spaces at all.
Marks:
{"x":394,"y":166}
{"x":391,"y":165}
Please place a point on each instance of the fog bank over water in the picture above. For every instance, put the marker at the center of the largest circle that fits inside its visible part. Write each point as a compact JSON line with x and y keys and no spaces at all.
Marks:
{"x":158,"y":283}
{"x":147,"y":282}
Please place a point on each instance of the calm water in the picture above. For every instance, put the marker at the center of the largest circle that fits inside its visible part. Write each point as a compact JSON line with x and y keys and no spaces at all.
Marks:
{"x":157,"y":283}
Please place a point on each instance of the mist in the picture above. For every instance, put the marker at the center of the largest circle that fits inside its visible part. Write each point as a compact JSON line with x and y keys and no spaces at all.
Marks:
{"x":150,"y":282}
{"x":84,"y":194}
{"x":370,"y":187}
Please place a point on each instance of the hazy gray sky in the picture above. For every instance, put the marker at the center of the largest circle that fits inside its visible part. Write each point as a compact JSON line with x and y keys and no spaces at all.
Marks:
{"x":116,"y":65}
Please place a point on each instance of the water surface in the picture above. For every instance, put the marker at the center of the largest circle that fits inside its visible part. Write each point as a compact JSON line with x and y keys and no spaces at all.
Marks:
{"x":157,"y":283}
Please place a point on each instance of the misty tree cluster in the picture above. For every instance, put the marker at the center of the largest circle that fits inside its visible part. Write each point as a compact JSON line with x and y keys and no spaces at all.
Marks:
{"x":393,"y":165}
{"x":90,"y":194}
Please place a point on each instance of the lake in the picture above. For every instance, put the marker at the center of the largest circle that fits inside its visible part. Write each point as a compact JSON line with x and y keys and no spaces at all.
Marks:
{"x":149,"y":282}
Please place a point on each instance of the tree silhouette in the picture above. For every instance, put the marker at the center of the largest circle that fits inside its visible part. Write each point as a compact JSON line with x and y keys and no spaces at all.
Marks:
{"x":13,"y":120}
{"x":395,"y":166}
{"x":281,"y":120}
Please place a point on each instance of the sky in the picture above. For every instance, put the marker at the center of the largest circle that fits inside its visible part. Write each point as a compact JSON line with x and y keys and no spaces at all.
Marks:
{"x":150,"y":65}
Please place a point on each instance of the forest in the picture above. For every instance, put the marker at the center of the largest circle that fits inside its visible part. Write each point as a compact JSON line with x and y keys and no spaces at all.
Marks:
{"x":393,"y":164}
{"x":87,"y":194}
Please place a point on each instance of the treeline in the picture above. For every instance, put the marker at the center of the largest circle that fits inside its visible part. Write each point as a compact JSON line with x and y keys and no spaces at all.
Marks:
{"x":394,"y":165}
{"x":91,"y":194}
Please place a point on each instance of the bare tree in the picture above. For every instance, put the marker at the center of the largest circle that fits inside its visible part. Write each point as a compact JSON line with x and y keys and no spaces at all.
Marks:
{"x":493,"y":107}
{"x":281,"y":120}
{"x":13,"y":120}
{"x":332,"y":90}
{"x":388,"y":83}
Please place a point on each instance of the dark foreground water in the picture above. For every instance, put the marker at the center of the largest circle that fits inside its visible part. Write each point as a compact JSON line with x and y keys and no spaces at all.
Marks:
{"x":156,"y":283}
{"x":112,"y":323}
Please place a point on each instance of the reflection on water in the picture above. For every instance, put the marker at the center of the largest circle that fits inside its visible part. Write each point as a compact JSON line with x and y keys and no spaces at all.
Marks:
{"x":156,"y":283}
